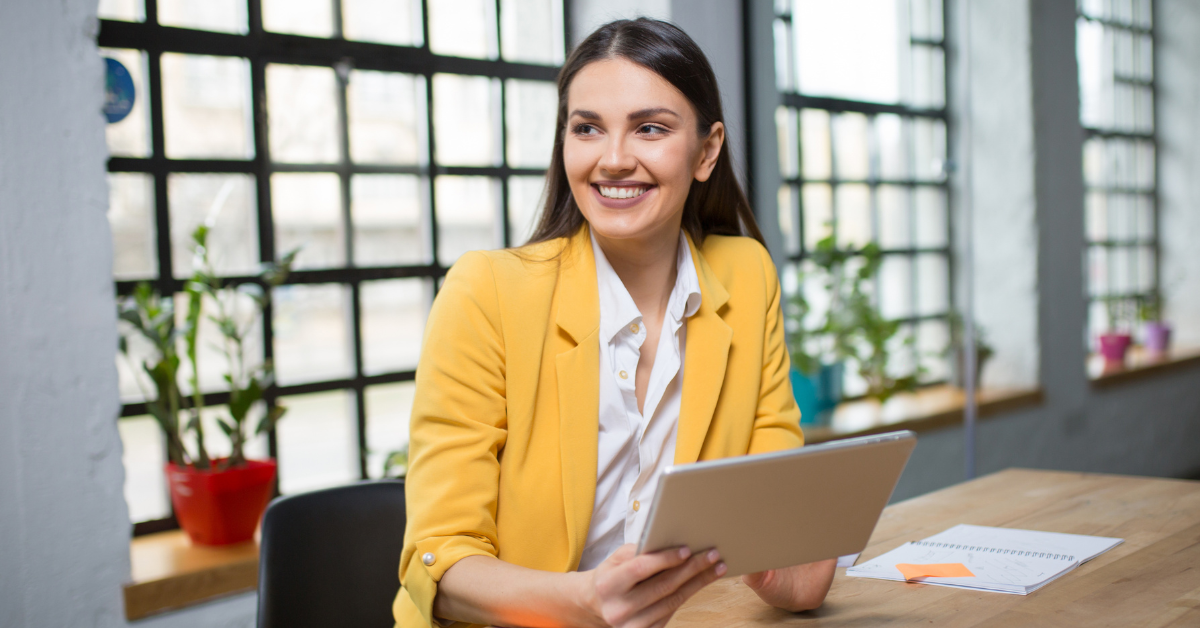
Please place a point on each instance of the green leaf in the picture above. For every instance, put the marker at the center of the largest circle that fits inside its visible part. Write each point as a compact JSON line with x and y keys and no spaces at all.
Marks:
{"x":225,"y":427}
{"x":239,"y":404}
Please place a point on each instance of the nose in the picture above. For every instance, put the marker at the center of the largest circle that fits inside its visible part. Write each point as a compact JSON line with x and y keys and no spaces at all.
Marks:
{"x":617,"y":159}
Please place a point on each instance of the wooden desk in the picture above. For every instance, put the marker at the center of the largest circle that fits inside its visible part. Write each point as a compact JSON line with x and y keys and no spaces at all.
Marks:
{"x":1152,"y":579}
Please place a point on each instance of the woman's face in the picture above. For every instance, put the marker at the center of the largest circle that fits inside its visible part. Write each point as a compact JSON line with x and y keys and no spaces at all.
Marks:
{"x":631,"y":150}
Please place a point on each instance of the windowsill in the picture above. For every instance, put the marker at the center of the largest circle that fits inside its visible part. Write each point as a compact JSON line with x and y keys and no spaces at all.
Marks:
{"x":926,"y":409}
{"x":1140,"y":364}
{"x":170,"y":573}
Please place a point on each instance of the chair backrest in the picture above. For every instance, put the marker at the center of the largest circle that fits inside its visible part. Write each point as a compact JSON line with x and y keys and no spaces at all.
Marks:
{"x":332,"y":557}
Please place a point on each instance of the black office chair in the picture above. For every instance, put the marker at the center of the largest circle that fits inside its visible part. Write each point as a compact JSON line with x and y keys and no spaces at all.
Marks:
{"x":332,"y":557}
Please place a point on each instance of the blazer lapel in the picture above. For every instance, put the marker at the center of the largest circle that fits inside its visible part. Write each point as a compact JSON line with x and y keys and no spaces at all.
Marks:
{"x":708,"y":340}
{"x":578,"y":373}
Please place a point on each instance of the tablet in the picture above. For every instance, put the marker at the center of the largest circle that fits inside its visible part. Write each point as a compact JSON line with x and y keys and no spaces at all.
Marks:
{"x":780,"y":509}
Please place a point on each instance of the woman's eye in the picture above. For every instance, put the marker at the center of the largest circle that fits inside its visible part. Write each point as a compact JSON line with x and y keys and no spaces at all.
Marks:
{"x":650,"y":129}
{"x":584,"y":129}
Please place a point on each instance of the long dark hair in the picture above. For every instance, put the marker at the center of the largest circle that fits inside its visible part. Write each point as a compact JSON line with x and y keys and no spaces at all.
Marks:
{"x":715,"y":206}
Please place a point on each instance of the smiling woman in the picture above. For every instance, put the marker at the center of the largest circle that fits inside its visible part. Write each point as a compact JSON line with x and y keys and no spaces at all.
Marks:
{"x":551,"y":391}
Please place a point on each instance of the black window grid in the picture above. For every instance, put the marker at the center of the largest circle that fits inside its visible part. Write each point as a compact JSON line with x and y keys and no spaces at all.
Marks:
{"x":1101,"y":293}
{"x":797,"y":102}
{"x":262,"y":48}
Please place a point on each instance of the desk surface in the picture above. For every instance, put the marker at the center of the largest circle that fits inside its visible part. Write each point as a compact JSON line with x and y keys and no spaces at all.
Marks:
{"x":1152,"y":579}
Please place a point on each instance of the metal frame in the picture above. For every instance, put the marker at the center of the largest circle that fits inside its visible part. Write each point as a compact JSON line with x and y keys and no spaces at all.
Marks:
{"x":797,"y":102}
{"x":261,"y":48}
{"x":1108,"y":190}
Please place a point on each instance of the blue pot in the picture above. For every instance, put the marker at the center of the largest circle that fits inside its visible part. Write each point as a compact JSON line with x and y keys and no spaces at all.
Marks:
{"x":818,"y":394}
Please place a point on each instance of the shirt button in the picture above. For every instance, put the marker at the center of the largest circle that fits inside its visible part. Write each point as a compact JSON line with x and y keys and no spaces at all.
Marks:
{"x":623,"y":375}
{"x":636,"y":505}
{"x":634,"y":328}
{"x":428,"y":558}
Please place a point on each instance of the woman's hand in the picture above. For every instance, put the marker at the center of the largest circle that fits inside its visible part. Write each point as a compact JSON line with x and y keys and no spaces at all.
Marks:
{"x":794,"y":589}
{"x":632,"y":591}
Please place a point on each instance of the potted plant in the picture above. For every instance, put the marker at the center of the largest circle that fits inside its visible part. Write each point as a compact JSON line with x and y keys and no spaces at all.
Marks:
{"x":217,"y":501}
{"x":1115,"y":342}
{"x":1156,"y":334}
{"x":957,"y":348}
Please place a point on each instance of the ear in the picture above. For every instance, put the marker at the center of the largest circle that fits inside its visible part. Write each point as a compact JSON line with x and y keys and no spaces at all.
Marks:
{"x":709,"y":151}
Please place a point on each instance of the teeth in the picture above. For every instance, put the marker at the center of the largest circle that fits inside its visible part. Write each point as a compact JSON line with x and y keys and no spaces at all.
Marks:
{"x":621,"y":192}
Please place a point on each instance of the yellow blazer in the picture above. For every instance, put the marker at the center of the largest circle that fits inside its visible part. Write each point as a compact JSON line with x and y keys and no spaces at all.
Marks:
{"x":503,"y":443}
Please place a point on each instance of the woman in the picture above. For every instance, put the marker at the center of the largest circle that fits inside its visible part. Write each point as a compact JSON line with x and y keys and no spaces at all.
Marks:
{"x":637,"y":330}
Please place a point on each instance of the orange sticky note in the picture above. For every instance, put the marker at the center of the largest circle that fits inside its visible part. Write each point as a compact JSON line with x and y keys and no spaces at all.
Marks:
{"x":939,"y":570}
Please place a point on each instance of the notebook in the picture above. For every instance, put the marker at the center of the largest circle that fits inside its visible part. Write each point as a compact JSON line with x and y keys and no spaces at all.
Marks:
{"x":1003,"y":560}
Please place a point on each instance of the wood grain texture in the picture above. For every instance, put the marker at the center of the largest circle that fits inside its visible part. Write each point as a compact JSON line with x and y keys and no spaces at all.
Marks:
{"x":926,"y":409}
{"x":168,"y":572}
{"x":1152,"y":579}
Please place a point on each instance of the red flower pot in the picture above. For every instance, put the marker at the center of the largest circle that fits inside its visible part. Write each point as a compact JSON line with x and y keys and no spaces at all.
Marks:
{"x":221,"y":507}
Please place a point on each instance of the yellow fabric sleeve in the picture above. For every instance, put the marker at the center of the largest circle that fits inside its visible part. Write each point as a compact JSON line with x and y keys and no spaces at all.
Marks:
{"x":777,"y":420}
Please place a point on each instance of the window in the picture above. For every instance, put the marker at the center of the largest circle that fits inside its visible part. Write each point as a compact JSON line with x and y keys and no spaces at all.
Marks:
{"x":1116,"y":89}
{"x":863,"y":140}
{"x":384,"y":137}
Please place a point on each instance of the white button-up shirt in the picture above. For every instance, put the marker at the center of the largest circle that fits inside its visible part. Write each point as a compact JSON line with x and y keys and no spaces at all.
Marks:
{"x":635,"y":447}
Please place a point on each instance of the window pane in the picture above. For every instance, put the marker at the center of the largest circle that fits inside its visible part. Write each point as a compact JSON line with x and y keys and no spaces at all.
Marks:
{"x":818,"y":214}
{"x":929,"y":149}
{"x":926,"y":19}
{"x":312,"y":333}
{"x":206,"y":107}
{"x":524,"y":207}
{"x":928,"y":77}
{"x":307,"y":209}
{"x":932,"y":339}
{"x":387,"y":117}
{"x":467,"y":212}
{"x":895,"y":221}
{"x":318,"y":442}
{"x":531,"y":109}
{"x":896,"y":287}
{"x":124,"y":10}
{"x":893,"y":147}
{"x":789,"y":218}
{"x":131,"y":137}
{"x":226,"y":203}
{"x":383,"y":21}
{"x":131,"y":217}
{"x":393,"y":323}
{"x":144,"y":454}
{"x":389,"y":408}
{"x":299,"y":17}
{"x":788,"y":142}
{"x":217,"y":444}
{"x":815,"y":149}
{"x":302,"y":113}
{"x":133,"y":382}
{"x":932,"y":228}
{"x":532,"y":31}
{"x":1098,"y":271}
{"x":226,"y":16}
{"x":933,"y":296}
{"x":850,"y":146}
{"x":389,"y":220}
{"x":848,"y":49}
{"x":854,"y":215}
{"x":463,"y":28}
{"x":465,"y":120}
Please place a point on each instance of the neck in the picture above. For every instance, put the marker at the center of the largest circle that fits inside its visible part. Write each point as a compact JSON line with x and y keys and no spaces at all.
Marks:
{"x":646,"y":266}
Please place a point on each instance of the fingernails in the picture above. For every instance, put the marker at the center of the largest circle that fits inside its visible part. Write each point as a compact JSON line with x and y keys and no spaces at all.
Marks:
{"x":721,"y":569}
{"x":713,"y":555}
{"x":684,"y":552}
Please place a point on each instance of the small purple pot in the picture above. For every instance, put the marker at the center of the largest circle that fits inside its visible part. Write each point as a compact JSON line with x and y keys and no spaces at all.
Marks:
{"x":1114,"y":346}
{"x":1158,"y":337}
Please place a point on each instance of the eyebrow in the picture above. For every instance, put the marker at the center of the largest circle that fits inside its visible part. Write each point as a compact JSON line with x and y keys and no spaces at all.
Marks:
{"x":636,"y":115}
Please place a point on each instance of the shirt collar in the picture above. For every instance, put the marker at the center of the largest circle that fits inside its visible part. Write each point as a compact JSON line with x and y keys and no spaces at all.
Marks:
{"x":617,"y":309}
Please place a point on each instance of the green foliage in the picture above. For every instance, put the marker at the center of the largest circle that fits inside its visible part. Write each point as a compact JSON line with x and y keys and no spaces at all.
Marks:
{"x":852,"y":328}
{"x":150,"y":316}
{"x":396,"y":463}
{"x":1149,"y":308}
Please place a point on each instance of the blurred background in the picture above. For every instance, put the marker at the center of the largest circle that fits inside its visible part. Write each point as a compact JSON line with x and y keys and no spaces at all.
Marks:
{"x":1023,"y":168}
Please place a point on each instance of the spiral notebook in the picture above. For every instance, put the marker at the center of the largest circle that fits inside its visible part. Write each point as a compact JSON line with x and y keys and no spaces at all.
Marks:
{"x":1003,"y":560}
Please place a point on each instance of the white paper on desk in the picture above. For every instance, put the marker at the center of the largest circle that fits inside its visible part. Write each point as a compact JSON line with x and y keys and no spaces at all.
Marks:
{"x":848,"y":560}
{"x":1004,"y":560}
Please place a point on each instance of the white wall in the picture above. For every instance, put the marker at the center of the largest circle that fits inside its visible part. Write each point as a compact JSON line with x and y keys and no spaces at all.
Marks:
{"x":64,"y":528}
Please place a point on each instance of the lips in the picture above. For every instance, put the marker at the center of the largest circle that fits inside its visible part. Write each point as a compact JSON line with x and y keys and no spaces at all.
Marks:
{"x":622,"y":194}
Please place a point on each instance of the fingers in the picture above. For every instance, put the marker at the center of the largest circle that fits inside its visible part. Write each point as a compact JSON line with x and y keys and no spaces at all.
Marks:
{"x":667,"y":582}
{"x":659,"y":613}
{"x":755,"y":580}
{"x":645,"y":566}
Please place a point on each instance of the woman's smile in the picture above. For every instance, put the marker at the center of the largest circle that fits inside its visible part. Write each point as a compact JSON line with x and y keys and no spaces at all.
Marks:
{"x":622,"y":194}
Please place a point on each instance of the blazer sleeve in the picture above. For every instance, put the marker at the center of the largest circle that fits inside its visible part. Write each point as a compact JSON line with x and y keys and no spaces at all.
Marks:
{"x":458,"y":428}
{"x":777,"y":421}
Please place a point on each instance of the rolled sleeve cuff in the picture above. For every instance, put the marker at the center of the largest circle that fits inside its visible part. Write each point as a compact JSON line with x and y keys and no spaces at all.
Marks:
{"x":427,"y":565}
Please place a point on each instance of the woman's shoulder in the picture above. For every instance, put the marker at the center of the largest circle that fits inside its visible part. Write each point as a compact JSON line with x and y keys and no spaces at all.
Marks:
{"x":503,"y":267}
{"x":736,"y":254}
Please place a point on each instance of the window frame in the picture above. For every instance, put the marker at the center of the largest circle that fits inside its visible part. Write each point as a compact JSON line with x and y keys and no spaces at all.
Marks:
{"x":261,"y":48}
